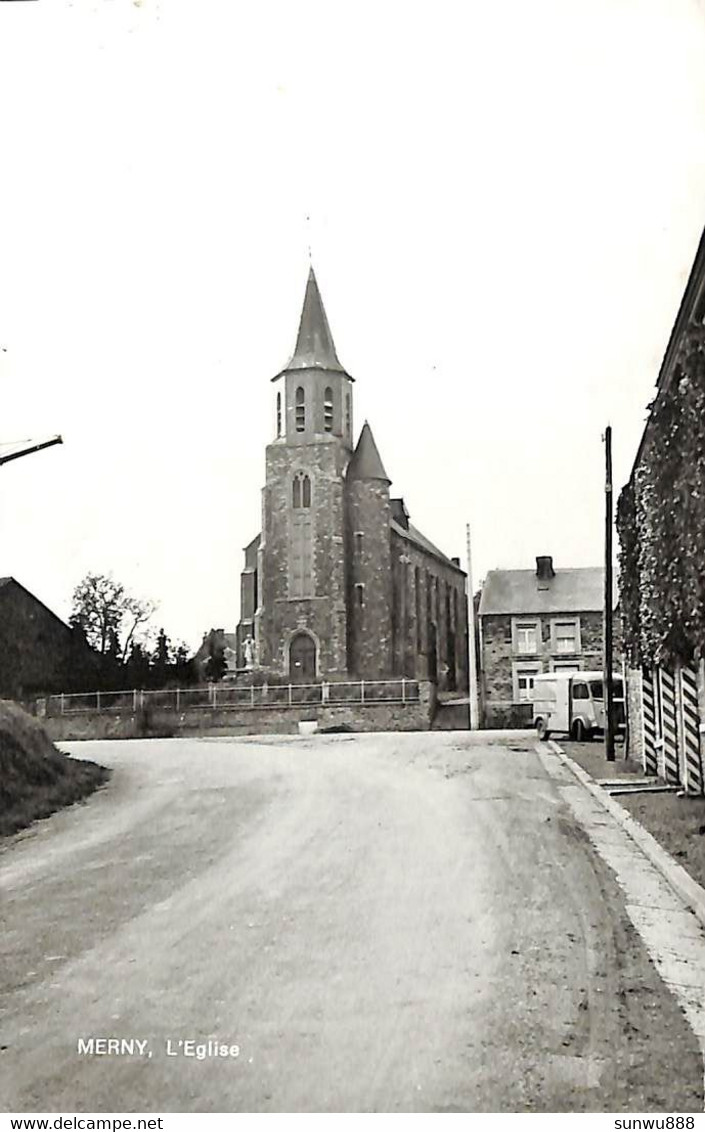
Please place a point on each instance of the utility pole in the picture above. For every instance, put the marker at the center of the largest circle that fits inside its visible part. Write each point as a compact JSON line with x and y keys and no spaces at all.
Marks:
{"x":32,"y":448}
{"x":472,"y":662}
{"x":608,"y":690}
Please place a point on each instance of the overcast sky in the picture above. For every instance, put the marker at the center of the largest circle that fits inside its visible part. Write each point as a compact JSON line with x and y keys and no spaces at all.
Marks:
{"x":505,"y":202}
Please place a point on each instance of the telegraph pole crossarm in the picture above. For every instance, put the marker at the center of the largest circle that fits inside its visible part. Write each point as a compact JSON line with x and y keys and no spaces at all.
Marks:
{"x":29,"y":450}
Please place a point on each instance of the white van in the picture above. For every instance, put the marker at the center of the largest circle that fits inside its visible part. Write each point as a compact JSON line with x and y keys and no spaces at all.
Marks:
{"x":573,"y":703}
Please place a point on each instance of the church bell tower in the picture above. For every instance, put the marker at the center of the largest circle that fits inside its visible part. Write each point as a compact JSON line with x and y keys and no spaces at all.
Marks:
{"x":301,"y":620}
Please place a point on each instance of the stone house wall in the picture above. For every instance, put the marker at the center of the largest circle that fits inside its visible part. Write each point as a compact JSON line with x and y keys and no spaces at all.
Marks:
{"x":500,"y":708}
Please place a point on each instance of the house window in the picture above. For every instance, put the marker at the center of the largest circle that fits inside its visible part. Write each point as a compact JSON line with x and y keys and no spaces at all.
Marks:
{"x":301,"y":491}
{"x":300,"y":410}
{"x":565,"y":666}
{"x":527,"y":635}
{"x":523,"y":681}
{"x":565,"y":637}
{"x":279,"y":414}
{"x":328,"y":409}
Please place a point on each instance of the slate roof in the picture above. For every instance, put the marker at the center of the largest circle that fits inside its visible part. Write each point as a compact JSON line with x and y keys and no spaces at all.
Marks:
{"x":414,"y":535}
{"x":366,"y":462}
{"x":572,"y":590}
{"x":314,"y":348}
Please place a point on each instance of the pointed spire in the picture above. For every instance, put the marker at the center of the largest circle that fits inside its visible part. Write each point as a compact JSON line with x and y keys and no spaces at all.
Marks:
{"x":366,"y":462}
{"x":314,"y":345}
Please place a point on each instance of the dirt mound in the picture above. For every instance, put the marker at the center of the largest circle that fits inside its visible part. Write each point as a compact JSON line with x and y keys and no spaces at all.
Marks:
{"x":35,"y":778}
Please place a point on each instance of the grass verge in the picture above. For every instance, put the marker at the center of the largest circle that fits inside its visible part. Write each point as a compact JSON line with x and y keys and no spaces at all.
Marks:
{"x":591,"y":757}
{"x":35,"y":778}
{"x":678,"y":824}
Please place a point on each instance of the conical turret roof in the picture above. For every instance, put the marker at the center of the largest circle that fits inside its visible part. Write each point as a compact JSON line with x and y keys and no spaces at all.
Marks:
{"x":366,"y":462}
{"x":314,"y":345}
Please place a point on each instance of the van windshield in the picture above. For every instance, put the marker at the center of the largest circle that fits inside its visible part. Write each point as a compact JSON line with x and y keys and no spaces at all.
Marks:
{"x":598,"y":692}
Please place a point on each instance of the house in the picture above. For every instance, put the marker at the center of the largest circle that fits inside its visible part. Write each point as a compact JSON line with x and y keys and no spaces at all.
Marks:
{"x":661,"y":526}
{"x":340,"y":584}
{"x":532,"y":621}
{"x":39,"y":653}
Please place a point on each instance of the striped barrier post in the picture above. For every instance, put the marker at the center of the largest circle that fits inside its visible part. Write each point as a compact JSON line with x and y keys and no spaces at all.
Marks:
{"x":669,"y":726}
{"x":648,"y":715}
{"x":690,"y":730}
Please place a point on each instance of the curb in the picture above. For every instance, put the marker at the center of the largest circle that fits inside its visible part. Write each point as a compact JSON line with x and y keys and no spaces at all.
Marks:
{"x":690,"y":892}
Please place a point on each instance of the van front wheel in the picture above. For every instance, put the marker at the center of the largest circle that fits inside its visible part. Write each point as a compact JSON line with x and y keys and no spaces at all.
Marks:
{"x":542,"y":729}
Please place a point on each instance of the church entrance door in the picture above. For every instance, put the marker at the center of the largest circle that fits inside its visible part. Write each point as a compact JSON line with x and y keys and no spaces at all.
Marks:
{"x":302,"y":659}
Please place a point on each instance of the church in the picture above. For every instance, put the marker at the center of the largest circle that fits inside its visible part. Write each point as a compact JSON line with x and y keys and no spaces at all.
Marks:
{"x":339,"y":585}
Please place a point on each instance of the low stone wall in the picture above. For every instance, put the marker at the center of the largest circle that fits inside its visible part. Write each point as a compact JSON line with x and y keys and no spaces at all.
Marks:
{"x":245,"y":721}
{"x":505,"y":714}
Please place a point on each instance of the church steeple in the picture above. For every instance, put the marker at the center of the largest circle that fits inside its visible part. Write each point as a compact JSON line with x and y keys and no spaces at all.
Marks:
{"x":314,"y":401}
{"x":315,"y":348}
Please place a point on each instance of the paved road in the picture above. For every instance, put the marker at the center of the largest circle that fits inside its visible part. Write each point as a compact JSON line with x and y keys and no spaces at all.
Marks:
{"x":380,"y":923}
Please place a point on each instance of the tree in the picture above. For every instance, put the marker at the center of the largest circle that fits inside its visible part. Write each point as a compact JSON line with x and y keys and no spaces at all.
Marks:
{"x":137,"y":668}
{"x":161,"y":660}
{"x":107,"y":615}
{"x":216,"y":664}
{"x":184,"y":668}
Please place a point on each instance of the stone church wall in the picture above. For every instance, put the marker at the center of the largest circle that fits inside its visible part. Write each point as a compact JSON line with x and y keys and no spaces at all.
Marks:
{"x":369,"y":590}
{"x":422,"y":585}
{"x":323,"y":613}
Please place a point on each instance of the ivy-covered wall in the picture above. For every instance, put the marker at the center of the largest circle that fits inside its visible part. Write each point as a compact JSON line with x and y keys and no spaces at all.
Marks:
{"x":661,"y":521}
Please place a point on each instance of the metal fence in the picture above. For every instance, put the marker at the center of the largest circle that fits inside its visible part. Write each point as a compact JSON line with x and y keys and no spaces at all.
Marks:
{"x":230,"y":696}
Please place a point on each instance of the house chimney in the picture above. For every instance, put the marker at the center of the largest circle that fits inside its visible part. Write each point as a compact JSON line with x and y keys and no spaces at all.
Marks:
{"x":544,"y":568}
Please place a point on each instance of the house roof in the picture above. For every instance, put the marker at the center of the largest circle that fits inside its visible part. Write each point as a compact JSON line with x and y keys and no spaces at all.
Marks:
{"x":668,"y":364}
{"x":7,"y":581}
{"x":571,"y":590}
{"x":314,"y":348}
{"x":414,"y":535}
{"x":366,"y":462}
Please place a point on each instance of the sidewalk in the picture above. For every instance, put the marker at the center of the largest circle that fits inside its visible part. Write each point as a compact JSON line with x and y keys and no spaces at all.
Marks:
{"x":664,"y":904}
{"x":669,"y":827}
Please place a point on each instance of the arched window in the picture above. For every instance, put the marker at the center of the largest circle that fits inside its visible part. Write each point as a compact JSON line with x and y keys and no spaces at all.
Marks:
{"x":279,"y":414}
{"x":328,"y":409}
{"x":346,"y":421}
{"x":301,"y":539}
{"x":301,"y":491}
{"x":300,"y":410}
